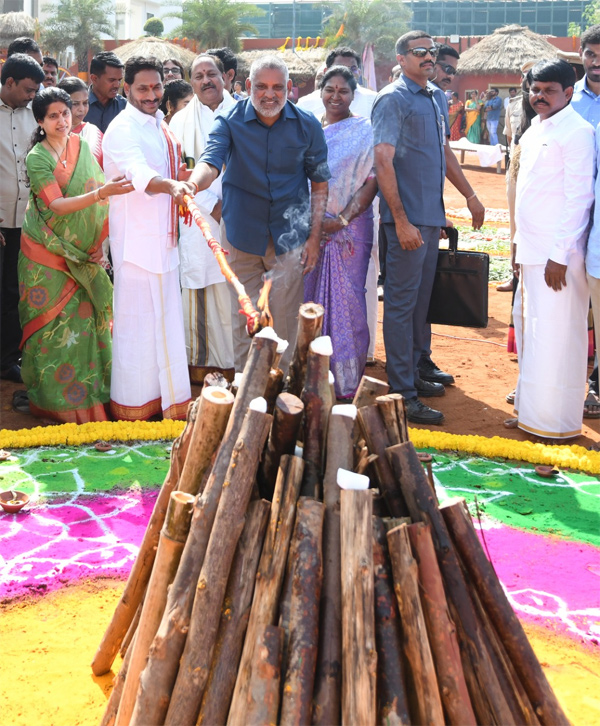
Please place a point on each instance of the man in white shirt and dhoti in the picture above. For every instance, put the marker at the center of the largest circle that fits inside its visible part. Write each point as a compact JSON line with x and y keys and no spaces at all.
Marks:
{"x":206,"y":298}
{"x":553,"y":202}
{"x":149,"y":372}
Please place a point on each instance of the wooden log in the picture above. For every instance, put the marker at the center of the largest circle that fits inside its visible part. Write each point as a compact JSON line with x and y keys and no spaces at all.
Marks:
{"x":264,"y":686}
{"x":310,"y":324}
{"x":215,"y":405}
{"x":387,"y":409}
{"x":368,"y":390}
{"x":282,"y":346}
{"x":109,"y":716}
{"x":212,"y":583}
{"x":287,"y":417}
{"x":274,"y":388}
{"x":142,"y":568}
{"x":441,"y":629}
{"x":416,"y":642}
{"x":161,"y":671}
{"x":400,"y":415}
{"x":269,"y":577}
{"x":500,"y":612}
{"x":328,"y":678}
{"x":234,"y":617}
{"x":306,"y":556}
{"x":376,"y":436}
{"x":170,"y":547}
{"x":317,"y":400}
{"x":392,"y":703}
{"x":359,"y":654}
{"x":131,"y":631}
{"x":487,"y":699}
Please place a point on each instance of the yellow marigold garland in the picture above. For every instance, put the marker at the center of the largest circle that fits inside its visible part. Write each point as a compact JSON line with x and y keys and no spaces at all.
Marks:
{"x":564,"y":457}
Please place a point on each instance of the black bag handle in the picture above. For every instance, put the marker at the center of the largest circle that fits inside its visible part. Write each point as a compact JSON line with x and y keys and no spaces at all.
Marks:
{"x":452,"y":234}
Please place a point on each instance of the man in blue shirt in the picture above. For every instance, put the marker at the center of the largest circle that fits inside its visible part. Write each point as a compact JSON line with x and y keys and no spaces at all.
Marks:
{"x":586,"y":98}
{"x":106,"y":74}
{"x":271,"y":150}
{"x":492,"y":107}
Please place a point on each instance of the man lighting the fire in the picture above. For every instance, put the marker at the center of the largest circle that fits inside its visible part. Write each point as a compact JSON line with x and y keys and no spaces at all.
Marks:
{"x":271,"y":150}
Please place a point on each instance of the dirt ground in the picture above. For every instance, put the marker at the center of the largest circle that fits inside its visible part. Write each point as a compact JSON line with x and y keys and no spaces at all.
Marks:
{"x":478,"y":359}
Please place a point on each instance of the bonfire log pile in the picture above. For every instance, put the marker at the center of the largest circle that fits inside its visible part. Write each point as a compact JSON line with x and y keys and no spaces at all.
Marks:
{"x":297,"y":569}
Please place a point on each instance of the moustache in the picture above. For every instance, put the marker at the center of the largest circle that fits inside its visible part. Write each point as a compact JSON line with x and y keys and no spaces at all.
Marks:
{"x":540,"y":103}
{"x":207,"y":86}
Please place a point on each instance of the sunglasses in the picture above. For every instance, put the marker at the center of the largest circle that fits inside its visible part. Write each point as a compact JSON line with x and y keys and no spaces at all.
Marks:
{"x":447,"y":68}
{"x":422,"y":52}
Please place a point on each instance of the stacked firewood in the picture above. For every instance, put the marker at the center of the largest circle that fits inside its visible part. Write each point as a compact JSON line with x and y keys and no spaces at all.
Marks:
{"x":316,"y":582}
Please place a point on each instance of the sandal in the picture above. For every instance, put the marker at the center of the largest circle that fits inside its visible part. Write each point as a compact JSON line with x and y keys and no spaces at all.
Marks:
{"x":511,"y":423}
{"x":591,"y":407}
{"x":20,"y":402}
{"x":510,"y":397}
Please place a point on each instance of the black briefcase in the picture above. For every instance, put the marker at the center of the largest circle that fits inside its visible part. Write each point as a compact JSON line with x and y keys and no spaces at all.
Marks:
{"x":460,"y":289}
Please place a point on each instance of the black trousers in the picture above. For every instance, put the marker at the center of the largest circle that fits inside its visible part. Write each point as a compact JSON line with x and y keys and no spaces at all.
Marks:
{"x":10,"y":327}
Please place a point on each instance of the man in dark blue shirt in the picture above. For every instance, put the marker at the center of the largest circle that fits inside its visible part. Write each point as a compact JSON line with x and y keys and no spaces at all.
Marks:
{"x":492,"y":108}
{"x":106,"y":74}
{"x":271,"y":150}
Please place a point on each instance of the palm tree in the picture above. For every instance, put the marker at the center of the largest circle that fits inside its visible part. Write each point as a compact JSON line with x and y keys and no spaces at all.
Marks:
{"x":215,"y":23}
{"x":78,"y":23}
{"x":357,"y":22}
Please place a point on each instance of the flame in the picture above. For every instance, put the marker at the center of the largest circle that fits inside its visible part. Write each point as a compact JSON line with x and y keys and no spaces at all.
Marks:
{"x":266,"y":319}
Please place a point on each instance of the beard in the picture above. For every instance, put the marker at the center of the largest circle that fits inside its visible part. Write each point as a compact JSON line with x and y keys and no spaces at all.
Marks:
{"x":269,"y":111}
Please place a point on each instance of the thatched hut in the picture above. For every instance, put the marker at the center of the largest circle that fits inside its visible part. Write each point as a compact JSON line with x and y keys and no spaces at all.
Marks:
{"x":157,"y":47}
{"x":13,"y":26}
{"x":496,"y":60}
{"x":302,"y":65}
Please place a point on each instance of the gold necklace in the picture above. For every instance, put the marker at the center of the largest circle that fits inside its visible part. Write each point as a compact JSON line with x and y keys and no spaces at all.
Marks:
{"x":62,"y":161}
{"x":324,"y":121}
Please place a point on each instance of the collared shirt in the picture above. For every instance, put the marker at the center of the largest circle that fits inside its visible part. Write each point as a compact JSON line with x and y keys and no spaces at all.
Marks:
{"x":555,"y":188}
{"x":586,"y":103}
{"x":265,"y":183}
{"x":493,"y":107}
{"x":362,"y":103}
{"x":16,"y":128}
{"x":592,"y":258}
{"x":134,"y":145}
{"x":408,"y":117}
{"x":100,"y":115}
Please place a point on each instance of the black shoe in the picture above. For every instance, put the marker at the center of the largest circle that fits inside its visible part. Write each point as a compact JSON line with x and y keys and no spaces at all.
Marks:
{"x":418,"y":412}
{"x":428,"y":389}
{"x":12,"y":374}
{"x":428,"y":371}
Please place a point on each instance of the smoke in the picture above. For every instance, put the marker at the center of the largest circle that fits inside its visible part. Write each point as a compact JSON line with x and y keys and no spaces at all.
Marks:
{"x":298,"y":218}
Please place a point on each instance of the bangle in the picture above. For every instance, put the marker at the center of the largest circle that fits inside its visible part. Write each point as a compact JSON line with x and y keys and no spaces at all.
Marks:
{"x":471,"y":197}
{"x":343,"y":220}
{"x":195,"y":187}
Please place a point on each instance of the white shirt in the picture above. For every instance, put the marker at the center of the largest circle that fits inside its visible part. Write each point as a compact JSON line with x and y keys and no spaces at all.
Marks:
{"x":134,"y":145}
{"x":555,"y":188}
{"x":16,"y":128}
{"x":363,"y":101}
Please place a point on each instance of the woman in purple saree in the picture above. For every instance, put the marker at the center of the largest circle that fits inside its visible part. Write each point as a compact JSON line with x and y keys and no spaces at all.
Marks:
{"x":338,"y":279}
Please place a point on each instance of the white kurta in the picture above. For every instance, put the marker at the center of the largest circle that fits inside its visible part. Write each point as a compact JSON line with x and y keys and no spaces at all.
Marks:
{"x":149,"y":371}
{"x":553,"y":202}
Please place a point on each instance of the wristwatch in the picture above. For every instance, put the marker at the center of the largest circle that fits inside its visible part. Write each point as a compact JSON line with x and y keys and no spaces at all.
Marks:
{"x":343,"y":220}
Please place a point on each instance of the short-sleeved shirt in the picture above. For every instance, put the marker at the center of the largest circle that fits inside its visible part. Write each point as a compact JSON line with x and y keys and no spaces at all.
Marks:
{"x":407,"y":116}
{"x":265,"y":183}
{"x":100,"y":115}
{"x":586,"y":102}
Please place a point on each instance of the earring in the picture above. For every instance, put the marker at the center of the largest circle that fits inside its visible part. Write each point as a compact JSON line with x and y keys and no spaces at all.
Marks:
{"x":42,"y":132}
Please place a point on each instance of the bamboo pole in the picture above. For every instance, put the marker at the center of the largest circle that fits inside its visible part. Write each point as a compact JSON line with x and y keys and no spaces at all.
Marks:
{"x":269,"y":577}
{"x":306,"y":558}
{"x":359,"y":654}
{"x":441,"y":629}
{"x":234,"y":617}
{"x":392,"y":702}
{"x":264,"y":686}
{"x":500,"y":612}
{"x":310,"y":323}
{"x":287,"y":417}
{"x":170,"y":547}
{"x":142,"y":567}
{"x":212,"y":583}
{"x":487,"y":699}
{"x":109,"y":716}
{"x":317,"y":400}
{"x":416,"y":642}
{"x":131,"y":630}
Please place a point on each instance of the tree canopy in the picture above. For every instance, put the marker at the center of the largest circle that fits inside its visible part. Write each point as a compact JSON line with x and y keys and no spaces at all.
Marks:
{"x":79,"y":23}
{"x":215,"y":23}
{"x":154,"y":27}
{"x":380,"y":22}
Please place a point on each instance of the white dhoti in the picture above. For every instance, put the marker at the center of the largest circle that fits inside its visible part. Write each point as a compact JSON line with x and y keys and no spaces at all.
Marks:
{"x":371,"y":284}
{"x":551,"y":334}
{"x":149,"y":370}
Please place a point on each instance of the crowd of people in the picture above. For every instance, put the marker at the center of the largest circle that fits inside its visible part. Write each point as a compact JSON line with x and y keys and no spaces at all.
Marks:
{"x":95,"y":178}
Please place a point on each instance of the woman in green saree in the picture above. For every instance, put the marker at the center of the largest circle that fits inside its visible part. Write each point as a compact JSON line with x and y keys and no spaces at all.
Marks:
{"x":473,"y":111}
{"x":65,"y":302}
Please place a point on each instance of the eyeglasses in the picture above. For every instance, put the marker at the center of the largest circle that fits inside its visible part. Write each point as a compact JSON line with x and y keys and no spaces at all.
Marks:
{"x":422,"y":52}
{"x":172,"y":71}
{"x":447,"y":68}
